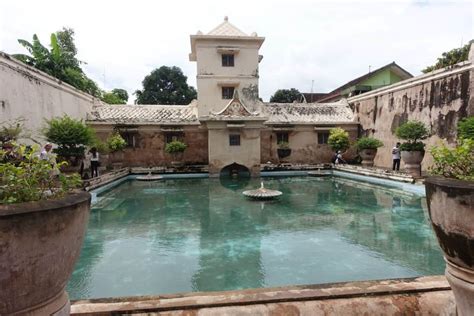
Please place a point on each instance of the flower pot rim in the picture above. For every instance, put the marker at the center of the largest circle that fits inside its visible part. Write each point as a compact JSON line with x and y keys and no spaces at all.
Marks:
{"x":449,"y":182}
{"x":72,"y":198}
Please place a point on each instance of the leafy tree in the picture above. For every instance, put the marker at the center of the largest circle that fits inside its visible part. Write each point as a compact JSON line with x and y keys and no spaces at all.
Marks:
{"x":286,"y":96}
{"x":60,"y":61}
{"x":450,"y":58}
{"x":165,"y":85}
{"x":338,"y":139}
{"x":70,"y":135}
{"x":121,"y":93}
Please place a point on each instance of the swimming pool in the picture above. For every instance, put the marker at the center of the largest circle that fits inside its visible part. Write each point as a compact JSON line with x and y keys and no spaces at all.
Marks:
{"x":181,"y":235}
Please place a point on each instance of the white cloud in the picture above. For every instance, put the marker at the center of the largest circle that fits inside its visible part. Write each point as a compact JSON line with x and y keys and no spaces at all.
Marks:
{"x":330,"y":42}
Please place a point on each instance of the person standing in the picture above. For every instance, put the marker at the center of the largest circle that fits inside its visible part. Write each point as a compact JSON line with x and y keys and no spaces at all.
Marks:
{"x":396,"y":157}
{"x":46,"y":152}
{"x":94,"y":162}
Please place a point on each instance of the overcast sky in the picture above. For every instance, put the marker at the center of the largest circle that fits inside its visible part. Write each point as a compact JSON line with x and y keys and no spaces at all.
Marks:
{"x":330,"y":42}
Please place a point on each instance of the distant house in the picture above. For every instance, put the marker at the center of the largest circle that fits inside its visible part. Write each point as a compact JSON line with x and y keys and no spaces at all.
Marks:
{"x":384,"y":76}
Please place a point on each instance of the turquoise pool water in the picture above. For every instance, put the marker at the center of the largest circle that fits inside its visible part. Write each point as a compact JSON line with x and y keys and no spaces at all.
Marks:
{"x":203,"y":235}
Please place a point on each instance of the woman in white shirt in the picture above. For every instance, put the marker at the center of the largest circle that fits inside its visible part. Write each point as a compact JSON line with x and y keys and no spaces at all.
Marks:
{"x":94,"y":162}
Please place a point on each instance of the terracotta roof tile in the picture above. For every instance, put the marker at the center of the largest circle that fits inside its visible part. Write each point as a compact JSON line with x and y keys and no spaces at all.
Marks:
{"x":134,"y":114}
{"x":308,"y":113}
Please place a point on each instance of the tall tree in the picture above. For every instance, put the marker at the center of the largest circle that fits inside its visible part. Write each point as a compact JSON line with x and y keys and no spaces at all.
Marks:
{"x":116,"y":96}
{"x":121,"y":93}
{"x":60,"y":61}
{"x":450,"y":58}
{"x":286,"y":96}
{"x":165,"y":85}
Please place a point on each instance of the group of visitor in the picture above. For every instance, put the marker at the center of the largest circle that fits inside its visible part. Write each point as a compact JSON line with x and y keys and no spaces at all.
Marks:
{"x":396,"y":155}
{"x":91,"y":162}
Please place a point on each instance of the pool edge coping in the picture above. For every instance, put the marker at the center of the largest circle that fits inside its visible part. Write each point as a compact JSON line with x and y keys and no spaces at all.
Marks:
{"x":285,"y":294}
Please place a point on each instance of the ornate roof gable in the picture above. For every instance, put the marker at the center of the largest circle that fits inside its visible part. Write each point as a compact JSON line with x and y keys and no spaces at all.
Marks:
{"x":235,"y":108}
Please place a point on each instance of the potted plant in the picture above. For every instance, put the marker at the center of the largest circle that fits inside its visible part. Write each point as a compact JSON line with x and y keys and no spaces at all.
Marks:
{"x":450,"y":197}
{"x":176,"y":149}
{"x":412,"y":151}
{"x":338,"y":140}
{"x":367,"y":147}
{"x":283,"y":149}
{"x":116,"y":144}
{"x":71,"y":135}
{"x":42,"y":225}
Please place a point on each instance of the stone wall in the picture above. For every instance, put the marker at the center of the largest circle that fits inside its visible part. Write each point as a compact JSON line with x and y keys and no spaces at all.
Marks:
{"x":439,"y":99}
{"x":28,"y":93}
{"x":150,"y":142}
{"x":303,"y":141}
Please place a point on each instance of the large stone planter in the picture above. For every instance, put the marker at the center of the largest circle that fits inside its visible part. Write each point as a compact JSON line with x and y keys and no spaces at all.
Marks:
{"x":368,"y":156}
{"x":412,"y":160}
{"x":451,"y":209}
{"x":177,"y":159}
{"x":39,"y":244}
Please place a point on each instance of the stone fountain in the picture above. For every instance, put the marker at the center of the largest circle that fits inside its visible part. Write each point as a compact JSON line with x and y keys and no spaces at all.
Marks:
{"x":262,"y":193}
{"x":149,"y":177}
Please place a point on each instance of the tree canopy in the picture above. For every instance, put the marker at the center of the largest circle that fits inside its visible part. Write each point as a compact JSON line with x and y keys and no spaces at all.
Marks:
{"x":286,"y":96}
{"x":60,"y":61}
{"x":450,"y":58}
{"x":116,"y":96}
{"x":165,"y":85}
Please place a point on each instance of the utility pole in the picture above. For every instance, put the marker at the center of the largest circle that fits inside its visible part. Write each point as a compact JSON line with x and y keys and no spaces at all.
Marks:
{"x":312,"y":84}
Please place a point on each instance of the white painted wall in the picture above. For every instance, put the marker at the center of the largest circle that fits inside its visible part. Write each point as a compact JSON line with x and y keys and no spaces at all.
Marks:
{"x":33,"y":95}
{"x":211,"y":75}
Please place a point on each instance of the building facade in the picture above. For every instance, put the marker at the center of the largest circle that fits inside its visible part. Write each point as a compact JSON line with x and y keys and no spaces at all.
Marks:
{"x":228,"y":127}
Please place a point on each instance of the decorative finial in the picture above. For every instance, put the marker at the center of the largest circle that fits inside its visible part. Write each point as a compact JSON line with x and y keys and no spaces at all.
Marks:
{"x":226,"y":18}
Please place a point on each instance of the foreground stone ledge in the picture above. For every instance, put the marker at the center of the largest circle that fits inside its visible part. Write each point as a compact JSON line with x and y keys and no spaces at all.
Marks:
{"x":423,"y":296}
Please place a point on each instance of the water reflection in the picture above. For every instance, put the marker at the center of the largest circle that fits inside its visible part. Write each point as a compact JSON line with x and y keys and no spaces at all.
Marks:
{"x":203,"y":235}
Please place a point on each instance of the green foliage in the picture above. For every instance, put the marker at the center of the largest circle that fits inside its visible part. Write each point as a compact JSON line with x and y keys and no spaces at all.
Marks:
{"x":368,"y":143}
{"x":115,"y":142}
{"x":11,"y":131}
{"x":60,"y":61}
{"x":32,"y":179}
{"x":102,"y":147}
{"x":450,"y":58}
{"x":412,"y":132}
{"x":286,"y":96}
{"x":466,"y":128}
{"x":69,"y":134}
{"x":121,"y":93}
{"x":175,"y":147}
{"x":165,"y":85}
{"x":111,"y":98}
{"x":457,"y":163}
{"x":417,"y":146}
{"x":338,"y":139}
{"x":283,"y":145}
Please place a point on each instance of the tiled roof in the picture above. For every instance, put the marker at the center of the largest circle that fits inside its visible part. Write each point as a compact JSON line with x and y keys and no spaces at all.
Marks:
{"x":226,"y":29}
{"x":305,"y":113}
{"x":144,"y":114}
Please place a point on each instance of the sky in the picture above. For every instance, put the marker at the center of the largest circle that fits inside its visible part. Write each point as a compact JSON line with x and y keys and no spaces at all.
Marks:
{"x":309,"y":45}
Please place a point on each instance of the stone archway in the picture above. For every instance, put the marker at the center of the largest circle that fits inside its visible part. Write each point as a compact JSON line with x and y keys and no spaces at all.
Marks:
{"x":235,"y":169}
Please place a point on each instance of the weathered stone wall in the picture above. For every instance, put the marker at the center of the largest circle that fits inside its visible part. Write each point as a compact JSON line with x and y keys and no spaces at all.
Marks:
{"x":303,"y":141}
{"x":33,"y":95}
{"x":438,"y":99}
{"x":150,"y":142}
